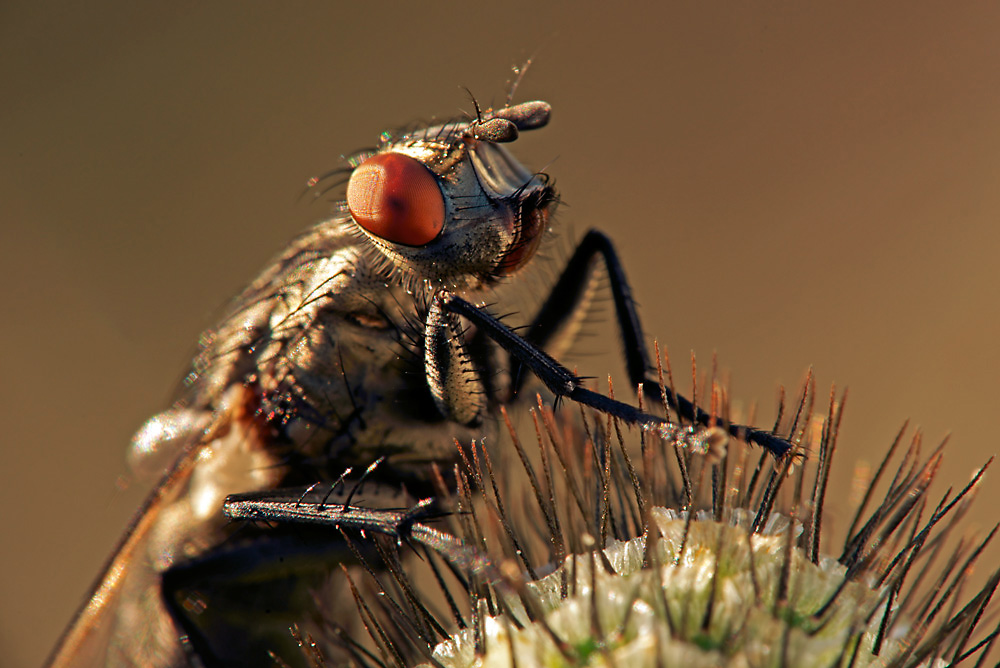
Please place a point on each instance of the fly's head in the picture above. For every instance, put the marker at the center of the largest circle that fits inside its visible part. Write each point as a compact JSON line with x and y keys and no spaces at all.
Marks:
{"x":448,"y":205}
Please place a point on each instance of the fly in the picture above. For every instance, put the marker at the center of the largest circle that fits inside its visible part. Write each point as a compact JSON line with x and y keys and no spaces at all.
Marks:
{"x":365,"y":338}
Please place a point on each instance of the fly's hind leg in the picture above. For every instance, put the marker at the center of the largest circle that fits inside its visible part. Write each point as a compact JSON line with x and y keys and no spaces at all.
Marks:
{"x":565,"y":303}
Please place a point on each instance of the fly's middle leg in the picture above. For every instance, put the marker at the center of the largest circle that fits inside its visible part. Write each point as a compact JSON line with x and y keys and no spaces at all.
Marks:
{"x":566,"y":300}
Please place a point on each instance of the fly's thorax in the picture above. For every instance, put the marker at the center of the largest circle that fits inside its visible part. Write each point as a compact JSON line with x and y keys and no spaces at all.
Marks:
{"x":331,"y":351}
{"x":357,"y":388}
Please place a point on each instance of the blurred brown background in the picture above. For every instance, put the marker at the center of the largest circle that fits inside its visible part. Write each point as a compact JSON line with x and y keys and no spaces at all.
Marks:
{"x":790,"y":184}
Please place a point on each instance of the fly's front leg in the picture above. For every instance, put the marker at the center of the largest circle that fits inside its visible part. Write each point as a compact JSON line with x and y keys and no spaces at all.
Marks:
{"x":454,"y":378}
{"x":565,"y":304}
{"x":442,"y":331}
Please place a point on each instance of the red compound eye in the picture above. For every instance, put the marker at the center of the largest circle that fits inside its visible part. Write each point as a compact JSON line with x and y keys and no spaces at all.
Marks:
{"x":397,"y":198}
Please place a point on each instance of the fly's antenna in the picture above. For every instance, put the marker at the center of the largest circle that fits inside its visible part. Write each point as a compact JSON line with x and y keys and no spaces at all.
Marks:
{"x":495,"y":130}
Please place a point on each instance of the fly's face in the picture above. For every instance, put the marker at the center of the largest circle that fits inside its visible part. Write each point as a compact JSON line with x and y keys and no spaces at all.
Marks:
{"x":449,"y":205}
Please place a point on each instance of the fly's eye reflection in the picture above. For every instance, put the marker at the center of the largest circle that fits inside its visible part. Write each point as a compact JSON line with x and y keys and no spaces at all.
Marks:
{"x":395,"y":197}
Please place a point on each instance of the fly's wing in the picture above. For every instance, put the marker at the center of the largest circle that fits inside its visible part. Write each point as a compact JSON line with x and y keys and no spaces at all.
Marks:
{"x":125,"y":621}
{"x":95,"y":636}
